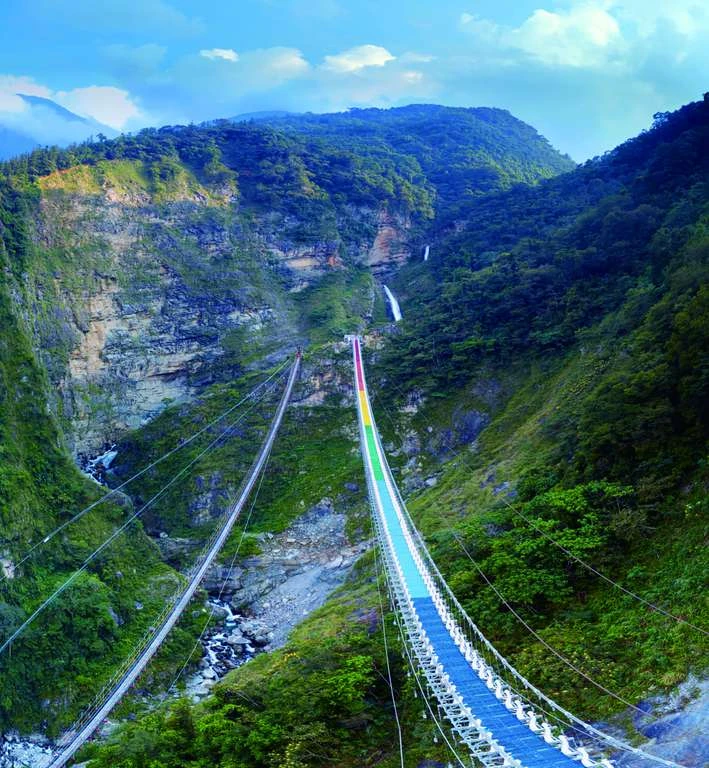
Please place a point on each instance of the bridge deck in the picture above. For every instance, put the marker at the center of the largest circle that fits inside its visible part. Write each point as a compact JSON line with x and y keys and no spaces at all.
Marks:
{"x":514,"y":736}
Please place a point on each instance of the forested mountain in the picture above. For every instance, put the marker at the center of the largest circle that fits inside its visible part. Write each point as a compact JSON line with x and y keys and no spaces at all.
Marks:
{"x":147,"y":270}
{"x":463,"y":152}
{"x":549,"y":380}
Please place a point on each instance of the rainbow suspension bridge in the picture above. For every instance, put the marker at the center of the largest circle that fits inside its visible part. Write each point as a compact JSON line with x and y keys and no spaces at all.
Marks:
{"x":494,"y":712}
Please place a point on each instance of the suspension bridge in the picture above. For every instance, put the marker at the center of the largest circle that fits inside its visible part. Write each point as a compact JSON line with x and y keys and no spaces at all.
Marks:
{"x":132,"y":668}
{"x":494,"y":713}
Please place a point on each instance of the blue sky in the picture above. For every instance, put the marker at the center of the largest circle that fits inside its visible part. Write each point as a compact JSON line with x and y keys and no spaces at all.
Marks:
{"x":586,"y":74}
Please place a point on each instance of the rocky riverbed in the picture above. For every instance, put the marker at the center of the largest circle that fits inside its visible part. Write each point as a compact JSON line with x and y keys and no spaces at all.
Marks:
{"x":259,"y":601}
{"x":675,"y":726}
{"x":24,"y":752}
{"x":255,"y":606}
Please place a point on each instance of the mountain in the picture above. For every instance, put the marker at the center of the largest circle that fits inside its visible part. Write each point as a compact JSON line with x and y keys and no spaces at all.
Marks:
{"x":549,"y":367}
{"x":463,"y":152}
{"x":44,"y":122}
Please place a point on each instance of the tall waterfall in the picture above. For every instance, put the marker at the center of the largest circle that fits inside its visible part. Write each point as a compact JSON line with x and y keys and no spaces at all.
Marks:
{"x":394,"y":304}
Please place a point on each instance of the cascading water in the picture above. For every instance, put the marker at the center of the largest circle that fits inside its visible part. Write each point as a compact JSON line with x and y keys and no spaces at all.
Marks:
{"x":394,"y":304}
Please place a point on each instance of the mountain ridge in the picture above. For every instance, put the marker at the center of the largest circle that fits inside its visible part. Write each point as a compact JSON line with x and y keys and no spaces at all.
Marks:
{"x":45,"y":123}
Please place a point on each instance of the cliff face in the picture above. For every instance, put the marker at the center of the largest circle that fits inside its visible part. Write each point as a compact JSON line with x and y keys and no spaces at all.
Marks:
{"x":138,"y":300}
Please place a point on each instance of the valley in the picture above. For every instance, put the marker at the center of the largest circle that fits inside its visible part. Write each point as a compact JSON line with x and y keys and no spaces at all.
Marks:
{"x":539,"y":379}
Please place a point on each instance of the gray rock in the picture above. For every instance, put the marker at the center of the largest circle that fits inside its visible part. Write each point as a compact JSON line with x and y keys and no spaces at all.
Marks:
{"x":173,"y":549}
{"x":116,"y":618}
{"x":223,"y":580}
{"x":467,"y":425}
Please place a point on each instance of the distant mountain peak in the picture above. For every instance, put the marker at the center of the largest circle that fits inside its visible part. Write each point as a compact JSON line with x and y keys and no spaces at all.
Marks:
{"x":41,"y":101}
{"x":45,"y":122}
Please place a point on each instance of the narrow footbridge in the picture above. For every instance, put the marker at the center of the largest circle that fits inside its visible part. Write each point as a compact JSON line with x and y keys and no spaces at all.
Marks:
{"x":501,"y":718}
{"x":124,"y":678}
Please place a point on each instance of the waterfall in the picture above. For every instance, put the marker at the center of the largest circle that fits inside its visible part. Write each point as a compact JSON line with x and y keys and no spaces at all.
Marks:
{"x":425,"y":253}
{"x":394,"y":304}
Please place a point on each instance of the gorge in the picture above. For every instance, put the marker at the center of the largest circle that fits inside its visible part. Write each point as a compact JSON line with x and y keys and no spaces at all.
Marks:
{"x":550,"y":366}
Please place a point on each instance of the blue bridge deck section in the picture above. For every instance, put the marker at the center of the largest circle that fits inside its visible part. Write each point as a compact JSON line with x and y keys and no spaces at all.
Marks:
{"x":518,"y":741}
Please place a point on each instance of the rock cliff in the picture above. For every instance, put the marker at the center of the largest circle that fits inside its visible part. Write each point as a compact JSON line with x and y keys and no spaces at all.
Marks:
{"x":140,"y":300}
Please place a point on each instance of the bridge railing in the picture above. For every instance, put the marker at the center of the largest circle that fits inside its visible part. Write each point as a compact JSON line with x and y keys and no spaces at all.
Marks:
{"x":541,"y":714}
{"x":166,"y":611}
{"x":578,"y":738}
{"x":132,"y":667}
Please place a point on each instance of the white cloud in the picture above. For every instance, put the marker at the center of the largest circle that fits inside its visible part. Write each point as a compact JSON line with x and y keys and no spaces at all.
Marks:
{"x":109,"y":105}
{"x":194,"y":88}
{"x":583,"y":36}
{"x":466,"y":18}
{"x":357,"y":58}
{"x":11,"y":85}
{"x":689,"y":18}
{"x":411,"y":57}
{"x":412,"y":76}
{"x":277,"y":64}
{"x":227,"y":54}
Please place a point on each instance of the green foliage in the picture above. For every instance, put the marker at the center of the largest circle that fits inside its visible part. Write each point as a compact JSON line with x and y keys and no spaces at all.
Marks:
{"x":585,"y":295}
{"x":321,"y":700}
{"x":533,"y":267}
{"x":463,"y":152}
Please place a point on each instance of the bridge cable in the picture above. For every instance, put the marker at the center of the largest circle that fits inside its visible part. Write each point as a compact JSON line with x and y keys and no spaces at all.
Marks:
{"x":100,"y":698}
{"x":388,"y":665}
{"x":618,"y":744}
{"x":589,"y":567}
{"x":582,"y":562}
{"x":563,"y":658}
{"x":226,"y":578}
{"x":568,"y":721}
{"x":414,"y":671}
{"x":122,"y":528}
{"x":537,"y":636}
{"x":150,"y":466}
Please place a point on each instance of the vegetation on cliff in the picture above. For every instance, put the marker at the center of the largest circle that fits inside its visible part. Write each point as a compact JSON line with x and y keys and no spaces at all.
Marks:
{"x":574,"y":315}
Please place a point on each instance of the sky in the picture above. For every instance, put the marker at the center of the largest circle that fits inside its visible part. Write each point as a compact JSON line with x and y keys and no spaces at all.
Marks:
{"x":587,"y":75}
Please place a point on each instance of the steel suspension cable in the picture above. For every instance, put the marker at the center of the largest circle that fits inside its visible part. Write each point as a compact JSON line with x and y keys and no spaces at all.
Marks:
{"x":579,"y":560}
{"x":587,"y":728}
{"x":150,"y":633}
{"x":150,"y":466}
{"x":601,"y":575}
{"x":224,"y":582}
{"x":74,"y":576}
{"x":388,"y":666}
{"x":569,"y":663}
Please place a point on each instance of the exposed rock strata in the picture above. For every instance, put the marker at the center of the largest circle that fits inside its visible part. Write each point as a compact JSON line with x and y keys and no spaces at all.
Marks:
{"x":145,"y":302}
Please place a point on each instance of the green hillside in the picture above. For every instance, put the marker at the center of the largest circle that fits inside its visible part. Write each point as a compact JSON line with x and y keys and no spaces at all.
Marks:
{"x":547,"y":386}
